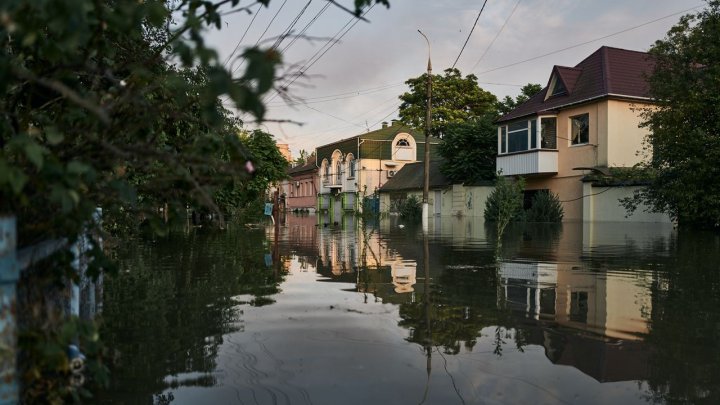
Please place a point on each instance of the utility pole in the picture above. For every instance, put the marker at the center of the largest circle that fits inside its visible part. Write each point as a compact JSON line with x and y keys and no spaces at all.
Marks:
{"x":426,"y":187}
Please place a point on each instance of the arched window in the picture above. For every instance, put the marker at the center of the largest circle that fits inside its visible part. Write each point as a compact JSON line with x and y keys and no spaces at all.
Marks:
{"x":338,"y":172}
{"x":325,"y":170}
{"x":404,"y":147}
{"x":351,"y":169}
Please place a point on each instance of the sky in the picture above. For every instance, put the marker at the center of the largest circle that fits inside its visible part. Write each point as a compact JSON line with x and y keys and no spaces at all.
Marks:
{"x":354,"y":86}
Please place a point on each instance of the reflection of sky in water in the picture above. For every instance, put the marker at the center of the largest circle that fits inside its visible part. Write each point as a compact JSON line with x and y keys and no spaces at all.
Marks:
{"x":302,"y":350}
{"x":569,"y":315}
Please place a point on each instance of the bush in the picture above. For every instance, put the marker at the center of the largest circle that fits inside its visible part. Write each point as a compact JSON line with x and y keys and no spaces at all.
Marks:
{"x":506,"y":201}
{"x":546,"y":207}
{"x":410,"y":208}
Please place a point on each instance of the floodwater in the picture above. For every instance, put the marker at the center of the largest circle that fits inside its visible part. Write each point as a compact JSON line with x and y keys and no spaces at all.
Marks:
{"x":345,"y":313}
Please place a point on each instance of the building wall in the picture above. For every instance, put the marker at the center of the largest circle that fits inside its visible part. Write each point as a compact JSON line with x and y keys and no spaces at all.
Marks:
{"x":304,"y":196}
{"x":456,"y":200}
{"x":615,"y":139}
{"x":625,"y":137}
{"x":603,"y":204}
{"x":587,"y":155}
{"x":569,"y":190}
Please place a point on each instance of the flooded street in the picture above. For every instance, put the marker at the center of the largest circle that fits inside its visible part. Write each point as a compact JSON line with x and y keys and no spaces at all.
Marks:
{"x":353,"y":313}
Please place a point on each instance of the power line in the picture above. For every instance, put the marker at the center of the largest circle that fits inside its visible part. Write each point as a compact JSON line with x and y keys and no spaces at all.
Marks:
{"x":312,"y":21}
{"x":333,"y":116}
{"x":470,"y":34}
{"x":496,"y":36}
{"x":264,"y":32}
{"x":244,"y":34}
{"x":320,"y":53}
{"x":385,"y":117}
{"x":341,"y":96}
{"x":287,"y":31}
{"x":590,"y":41}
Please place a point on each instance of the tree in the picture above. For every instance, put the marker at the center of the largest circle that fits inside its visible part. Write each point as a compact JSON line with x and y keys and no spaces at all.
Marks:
{"x":455,"y":99}
{"x":303,"y":158}
{"x":507,"y":104}
{"x":505,"y":203}
{"x":469,"y":150}
{"x":684,"y":124}
{"x":115,"y":105}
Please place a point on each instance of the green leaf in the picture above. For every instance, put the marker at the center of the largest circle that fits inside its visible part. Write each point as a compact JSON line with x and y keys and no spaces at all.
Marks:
{"x":53,"y":136}
{"x":34,"y":153}
{"x":78,"y":168}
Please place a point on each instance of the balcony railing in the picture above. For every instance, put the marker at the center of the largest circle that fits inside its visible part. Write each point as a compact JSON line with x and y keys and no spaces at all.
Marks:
{"x":536,"y":161}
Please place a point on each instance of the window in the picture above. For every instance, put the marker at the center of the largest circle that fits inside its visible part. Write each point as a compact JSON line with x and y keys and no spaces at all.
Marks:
{"x":325,"y":170}
{"x":503,"y":139}
{"x":579,"y":306}
{"x":351,"y":169}
{"x":559,"y":88}
{"x":580,"y":129}
{"x":548,"y":133}
{"x":338,"y":172}
{"x":518,"y":136}
{"x":536,"y":133}
{"x":403,"y":147}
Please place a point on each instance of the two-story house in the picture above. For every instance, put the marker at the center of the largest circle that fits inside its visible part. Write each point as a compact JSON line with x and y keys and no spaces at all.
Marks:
{"x":356,"y":167}
{"x":300,"y":189}
{"x":587,"y":119}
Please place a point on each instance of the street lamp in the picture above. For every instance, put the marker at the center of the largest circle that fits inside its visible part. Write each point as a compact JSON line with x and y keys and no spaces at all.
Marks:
{"x":426,"y":187}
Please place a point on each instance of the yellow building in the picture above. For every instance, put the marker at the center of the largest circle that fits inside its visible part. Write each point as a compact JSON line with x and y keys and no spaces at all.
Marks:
{"x":586,"y":120}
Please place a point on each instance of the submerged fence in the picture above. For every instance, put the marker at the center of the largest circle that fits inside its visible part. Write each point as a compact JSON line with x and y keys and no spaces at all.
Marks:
{"x":83,"y":300}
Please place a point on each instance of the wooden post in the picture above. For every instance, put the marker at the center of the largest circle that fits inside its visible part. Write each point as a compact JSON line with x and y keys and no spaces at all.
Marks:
{"x":9,"y":274}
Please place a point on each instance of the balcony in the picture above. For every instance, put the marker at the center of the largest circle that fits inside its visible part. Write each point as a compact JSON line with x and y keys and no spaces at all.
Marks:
{"x":535,"y":161}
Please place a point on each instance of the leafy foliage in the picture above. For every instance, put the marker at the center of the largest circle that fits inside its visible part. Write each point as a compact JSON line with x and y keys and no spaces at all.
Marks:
{"x":685,"y":123}
{"x":546,"y":207}
{"x":505,"y":203}
{"x":455,"y":99}
{"x":117,"y":105}
{"x":469,"y":150}
{"x":244,"y":197}
{"x":508,"y":104}
{"x":410,"y":208}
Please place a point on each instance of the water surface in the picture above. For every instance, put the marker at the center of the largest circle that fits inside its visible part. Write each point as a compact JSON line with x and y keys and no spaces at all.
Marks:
{"x":357,"y":313}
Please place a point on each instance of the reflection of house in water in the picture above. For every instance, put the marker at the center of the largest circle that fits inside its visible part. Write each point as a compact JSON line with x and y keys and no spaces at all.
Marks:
{"x":611,"y":305}
{"x":350,"y":254}
{"x":589,"y":308}
{"x":300,"y":238}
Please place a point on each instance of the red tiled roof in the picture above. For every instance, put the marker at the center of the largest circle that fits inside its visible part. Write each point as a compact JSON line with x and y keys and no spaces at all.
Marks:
{"x":606,"y":72}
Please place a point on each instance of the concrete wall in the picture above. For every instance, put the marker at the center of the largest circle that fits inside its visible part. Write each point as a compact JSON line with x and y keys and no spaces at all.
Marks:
{"x":457,"y":200}
{"x":569,"y":189}
{"x":603,"y":204}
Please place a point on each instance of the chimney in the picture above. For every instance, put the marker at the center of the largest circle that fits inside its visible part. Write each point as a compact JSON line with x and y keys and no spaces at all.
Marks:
{"x":384,"y":124}
{"x":393,"y":122}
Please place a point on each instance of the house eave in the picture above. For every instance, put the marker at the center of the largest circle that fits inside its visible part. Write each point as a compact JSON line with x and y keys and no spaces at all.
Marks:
{"x":574,"y":103}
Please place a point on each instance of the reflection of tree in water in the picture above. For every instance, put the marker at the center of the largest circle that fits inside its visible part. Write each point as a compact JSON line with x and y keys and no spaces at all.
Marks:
{"x":685,"y":323}
{"x":463,"y":302}
{"x":169,"y":308}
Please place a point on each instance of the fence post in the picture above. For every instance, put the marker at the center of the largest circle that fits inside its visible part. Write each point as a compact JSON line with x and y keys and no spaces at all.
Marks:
{"x":9,"y":274}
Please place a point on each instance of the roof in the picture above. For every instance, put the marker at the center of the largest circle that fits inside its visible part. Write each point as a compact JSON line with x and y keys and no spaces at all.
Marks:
{"x":607,"y":72}
{"x":375,"y":144}
{"x":412,"y":177}
{"x":307,"y":167}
